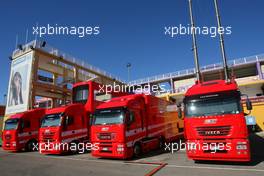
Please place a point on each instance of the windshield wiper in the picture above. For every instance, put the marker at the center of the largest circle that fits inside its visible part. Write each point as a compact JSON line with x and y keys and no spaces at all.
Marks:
{"x":113,"y":123}
{"x":106,"y":123}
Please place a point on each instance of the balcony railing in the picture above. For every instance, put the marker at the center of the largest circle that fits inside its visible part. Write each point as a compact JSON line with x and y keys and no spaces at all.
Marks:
{"x":56,"y":52}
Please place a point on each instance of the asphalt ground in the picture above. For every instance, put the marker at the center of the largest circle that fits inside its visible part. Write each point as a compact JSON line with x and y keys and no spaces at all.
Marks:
{"x":33,"y":163}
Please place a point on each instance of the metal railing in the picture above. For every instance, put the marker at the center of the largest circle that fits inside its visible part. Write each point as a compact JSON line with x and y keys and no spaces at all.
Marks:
{"x":157,"y":78}
{"x":167,"y":76}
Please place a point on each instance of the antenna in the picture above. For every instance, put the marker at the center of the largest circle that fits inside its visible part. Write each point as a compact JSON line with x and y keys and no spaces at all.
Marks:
{"x":221,"y":38}
{"x":26,"y":37}
{"x":36,"y":35}
{"x":16,"y":42}
{"x":194,"y":46}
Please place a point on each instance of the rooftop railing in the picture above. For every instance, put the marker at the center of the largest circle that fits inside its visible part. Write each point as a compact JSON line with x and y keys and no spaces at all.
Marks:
{"x":167,"y":76}
{"x":58,"y":53}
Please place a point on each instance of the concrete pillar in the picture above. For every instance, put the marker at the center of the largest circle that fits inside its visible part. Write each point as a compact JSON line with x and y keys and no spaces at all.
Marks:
{"x":76,"y":73}
{"x":259,"y":70}
{"x":54,"y":77}
{"x":172,"y":86}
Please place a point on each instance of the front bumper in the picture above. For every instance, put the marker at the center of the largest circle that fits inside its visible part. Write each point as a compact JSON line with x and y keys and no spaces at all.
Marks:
{"x":11,"y":146}
{"x":51,"y":148}
{"x":227,"y":152}
{"x":112,"y":150}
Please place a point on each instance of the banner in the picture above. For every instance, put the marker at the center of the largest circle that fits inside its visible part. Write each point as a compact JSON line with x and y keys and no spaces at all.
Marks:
{"x":19,"y":84}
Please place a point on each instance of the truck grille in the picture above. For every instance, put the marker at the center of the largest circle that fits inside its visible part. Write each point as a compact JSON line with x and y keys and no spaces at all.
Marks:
{"x":7,"y":137}
{"x":48,"y":137}
{"x":104,"y":136}
{"x":213,"y":130}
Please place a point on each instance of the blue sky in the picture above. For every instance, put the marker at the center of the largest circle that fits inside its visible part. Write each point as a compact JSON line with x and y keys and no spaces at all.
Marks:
{"x":133,"y":31}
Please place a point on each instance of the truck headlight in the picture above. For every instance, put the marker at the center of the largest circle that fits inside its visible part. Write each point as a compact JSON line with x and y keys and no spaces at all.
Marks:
{"x":241,"y":146}
{"x":120,"y":148}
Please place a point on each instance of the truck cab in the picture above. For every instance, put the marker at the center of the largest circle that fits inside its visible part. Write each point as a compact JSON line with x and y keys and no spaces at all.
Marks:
{"x":62,"y":126}
{"x":215,"y":126}
{"x":112,"y":121}
{"x":21,"y":130}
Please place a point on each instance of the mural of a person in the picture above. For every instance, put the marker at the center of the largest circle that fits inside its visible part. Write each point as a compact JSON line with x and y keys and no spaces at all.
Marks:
{"x":16,"y":90}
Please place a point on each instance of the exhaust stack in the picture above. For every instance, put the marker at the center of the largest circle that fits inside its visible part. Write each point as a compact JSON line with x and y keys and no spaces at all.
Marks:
{"x":221,"y":38}
{"x":194,"y":47}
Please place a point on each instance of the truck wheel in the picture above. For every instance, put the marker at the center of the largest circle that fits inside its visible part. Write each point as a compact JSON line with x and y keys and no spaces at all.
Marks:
{"x":30,"y":146}
{"x":137,"y":150}
{"x":161,"y":143}
{"x":75,"y":143}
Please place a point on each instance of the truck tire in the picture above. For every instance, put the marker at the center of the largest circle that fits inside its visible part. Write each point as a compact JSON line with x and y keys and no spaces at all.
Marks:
{"x":76,"y":144}
{"x":161,"y":143}
{"x":137,"y":150}
{"x":30,"y":146}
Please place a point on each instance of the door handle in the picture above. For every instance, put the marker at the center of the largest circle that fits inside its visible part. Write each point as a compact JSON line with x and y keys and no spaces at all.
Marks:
{"x":73,"y":131}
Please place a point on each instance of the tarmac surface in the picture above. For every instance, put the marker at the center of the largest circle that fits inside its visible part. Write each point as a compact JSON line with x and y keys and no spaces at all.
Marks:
{"x":33,"y":163}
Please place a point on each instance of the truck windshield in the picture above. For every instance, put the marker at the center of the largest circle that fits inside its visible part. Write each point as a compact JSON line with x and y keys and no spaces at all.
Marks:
{"x":11,"y":124}
{"x":109,"y":116}
{"x":80,"y":94}
{"x":216,"y":104}
{"x":51,"y":120}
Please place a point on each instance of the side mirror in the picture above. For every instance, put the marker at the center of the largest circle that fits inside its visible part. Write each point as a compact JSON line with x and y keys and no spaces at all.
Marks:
{"x":21,"y":126}
{"x":91,"y":118}
{"x":248,"y":104}
{"x":179,"y":110}
{"x":20,"y":130}
{"x":66,"y":122}
{"x":129,"y":118}
{"x":180,"y":113}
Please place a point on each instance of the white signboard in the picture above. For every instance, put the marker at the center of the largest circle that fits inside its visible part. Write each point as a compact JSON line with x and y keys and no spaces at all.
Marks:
{"x":19,"y":84}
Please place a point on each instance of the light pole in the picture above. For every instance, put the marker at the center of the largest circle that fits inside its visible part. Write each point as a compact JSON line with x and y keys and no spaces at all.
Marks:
{"x":128,"y":71}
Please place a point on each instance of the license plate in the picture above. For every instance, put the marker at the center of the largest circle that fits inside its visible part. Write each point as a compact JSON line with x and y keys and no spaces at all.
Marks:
{"x":105,"y":149}
{"x":214,"y":148}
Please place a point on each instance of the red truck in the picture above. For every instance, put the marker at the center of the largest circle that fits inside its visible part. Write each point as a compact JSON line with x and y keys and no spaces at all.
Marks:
{"x":69,"y":124}
{"x":21,"y":130}
{"x":215,"y":126}
{"x":130,"y":125}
